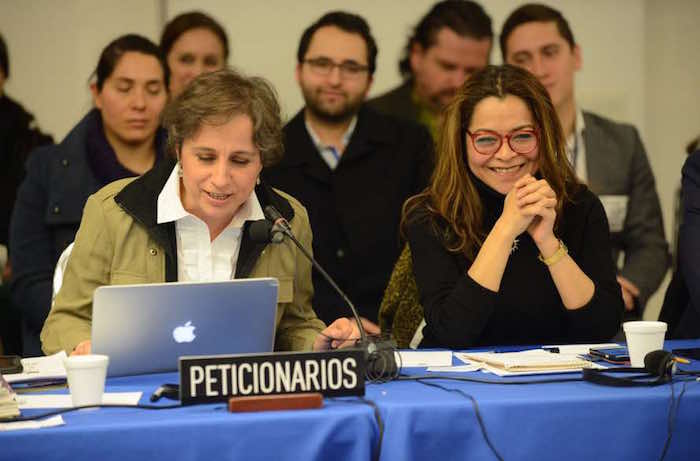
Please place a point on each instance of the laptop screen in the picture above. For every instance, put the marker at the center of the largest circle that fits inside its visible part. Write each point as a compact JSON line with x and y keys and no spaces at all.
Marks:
{"x":145,"y":328}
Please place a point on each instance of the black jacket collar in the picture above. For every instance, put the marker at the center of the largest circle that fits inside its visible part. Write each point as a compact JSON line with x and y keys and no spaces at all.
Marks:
{"x":72,"y":172}
{"x":140,"y":200}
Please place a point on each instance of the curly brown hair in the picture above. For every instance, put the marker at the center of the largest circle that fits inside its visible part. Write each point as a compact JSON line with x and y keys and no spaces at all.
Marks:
{"x":214,"y":99}
{"x":451,"y":200}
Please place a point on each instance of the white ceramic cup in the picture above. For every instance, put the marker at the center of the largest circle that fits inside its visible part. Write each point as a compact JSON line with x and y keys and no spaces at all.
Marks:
{"x":643,"y":337}
{"x":86,"y":378}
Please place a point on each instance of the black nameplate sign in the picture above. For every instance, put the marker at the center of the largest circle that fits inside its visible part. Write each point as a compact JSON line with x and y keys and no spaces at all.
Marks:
{"x":216,"y":378}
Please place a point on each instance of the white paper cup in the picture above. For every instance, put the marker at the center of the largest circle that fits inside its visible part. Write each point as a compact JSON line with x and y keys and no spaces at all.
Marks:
{"x":643,"y":337}
{"x":86,"y":378}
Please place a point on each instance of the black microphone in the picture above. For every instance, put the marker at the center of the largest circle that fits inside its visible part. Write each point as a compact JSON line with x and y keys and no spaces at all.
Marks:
{"x":262,"y":231}
{"x":381,"y":364}
{"x":277,"y":219}
{"x":281,"y":225}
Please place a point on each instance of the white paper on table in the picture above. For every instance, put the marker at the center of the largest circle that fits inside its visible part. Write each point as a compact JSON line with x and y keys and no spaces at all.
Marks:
{"x":456,"y":368}
{"x":567,"y":352}
{"x":409,"y":359}
{"x":34,"y":401}
{"x":40,"y":368}
{"x":48,"y":422}
{"x":486,"y":368}
{"x":527,"y":361}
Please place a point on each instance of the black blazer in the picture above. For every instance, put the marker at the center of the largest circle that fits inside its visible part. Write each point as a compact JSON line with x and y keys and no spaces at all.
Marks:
{"x":681,"y":308}
{"x":355,"y":210}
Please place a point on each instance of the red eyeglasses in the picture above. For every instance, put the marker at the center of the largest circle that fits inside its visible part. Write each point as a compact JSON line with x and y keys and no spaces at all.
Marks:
{"x":487,"y":142}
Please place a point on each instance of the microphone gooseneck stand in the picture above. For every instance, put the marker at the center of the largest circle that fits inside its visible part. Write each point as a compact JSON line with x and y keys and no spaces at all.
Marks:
{"x":381,"y":362}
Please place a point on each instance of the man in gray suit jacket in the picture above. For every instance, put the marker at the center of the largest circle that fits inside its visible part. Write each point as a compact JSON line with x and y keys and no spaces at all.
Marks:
{"x":607,"y":155}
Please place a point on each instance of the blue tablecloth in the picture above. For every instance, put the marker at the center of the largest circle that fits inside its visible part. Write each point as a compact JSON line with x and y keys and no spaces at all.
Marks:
{"x":340,"y":430}
{"x":569,"y":421}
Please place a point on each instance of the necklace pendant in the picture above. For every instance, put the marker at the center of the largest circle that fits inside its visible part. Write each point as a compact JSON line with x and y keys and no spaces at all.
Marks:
{"x":514,"y":246}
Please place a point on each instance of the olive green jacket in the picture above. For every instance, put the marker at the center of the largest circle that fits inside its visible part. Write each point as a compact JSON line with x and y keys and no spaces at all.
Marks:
{"x":119,"y":242}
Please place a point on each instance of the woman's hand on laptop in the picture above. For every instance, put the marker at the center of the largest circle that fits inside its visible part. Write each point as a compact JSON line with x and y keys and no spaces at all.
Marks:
{"x":343,"y":333}
{"x":83,"y":348}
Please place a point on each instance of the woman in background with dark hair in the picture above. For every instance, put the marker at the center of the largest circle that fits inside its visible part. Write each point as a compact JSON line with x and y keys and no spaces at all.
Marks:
{"x":119,"y":138}
{"x":508,"y":248}
{"x":193,"y":43}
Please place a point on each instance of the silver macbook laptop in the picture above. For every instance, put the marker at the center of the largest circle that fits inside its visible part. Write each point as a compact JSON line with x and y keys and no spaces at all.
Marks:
{"x":145,"y":328}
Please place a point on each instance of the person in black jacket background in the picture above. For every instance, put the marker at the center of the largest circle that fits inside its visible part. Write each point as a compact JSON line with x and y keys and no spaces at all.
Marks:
{"x":681,"y":307}
{"x":119,"y":138}
{"x":19,"y":134}
{"x":351,"y":167}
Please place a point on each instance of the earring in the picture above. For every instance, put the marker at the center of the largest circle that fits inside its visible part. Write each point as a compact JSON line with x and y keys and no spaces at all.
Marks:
{"x":179,"y":169}
{"x":257,"y":181}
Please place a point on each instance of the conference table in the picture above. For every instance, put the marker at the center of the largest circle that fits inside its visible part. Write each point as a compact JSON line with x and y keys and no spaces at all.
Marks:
{"x":571,"y":420}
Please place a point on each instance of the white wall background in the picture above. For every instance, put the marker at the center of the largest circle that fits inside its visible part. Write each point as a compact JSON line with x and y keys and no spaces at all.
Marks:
{"x":640,"y":57}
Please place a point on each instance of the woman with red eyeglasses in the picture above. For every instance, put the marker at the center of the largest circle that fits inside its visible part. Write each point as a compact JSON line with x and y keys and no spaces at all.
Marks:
{"x":508,"y":247}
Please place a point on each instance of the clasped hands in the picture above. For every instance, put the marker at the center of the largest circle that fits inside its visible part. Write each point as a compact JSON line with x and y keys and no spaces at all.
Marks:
{"x":531,"y":205}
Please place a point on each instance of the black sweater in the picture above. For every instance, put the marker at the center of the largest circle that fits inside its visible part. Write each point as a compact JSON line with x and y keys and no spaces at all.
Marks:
{"x":18,"y":136}
{"x":527,"y":309}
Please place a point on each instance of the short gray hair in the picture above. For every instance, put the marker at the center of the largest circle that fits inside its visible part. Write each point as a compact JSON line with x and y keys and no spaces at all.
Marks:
{"x":215,"y":98}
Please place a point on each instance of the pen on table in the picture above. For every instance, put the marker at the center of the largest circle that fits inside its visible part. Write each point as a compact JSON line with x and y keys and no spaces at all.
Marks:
{"x":503,"y":350}
{"x":38,"y":384}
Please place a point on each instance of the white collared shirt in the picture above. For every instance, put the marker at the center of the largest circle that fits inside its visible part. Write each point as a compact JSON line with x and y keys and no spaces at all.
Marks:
{"x":198,"y":258}
{"x":576,"y":148}
{"x":329,"y":153}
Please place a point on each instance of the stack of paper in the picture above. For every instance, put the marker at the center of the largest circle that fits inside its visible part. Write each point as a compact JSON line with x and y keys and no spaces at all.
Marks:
{"x":40,"y":370}
{"x":8,"y":402}
{"x":531,"y":361}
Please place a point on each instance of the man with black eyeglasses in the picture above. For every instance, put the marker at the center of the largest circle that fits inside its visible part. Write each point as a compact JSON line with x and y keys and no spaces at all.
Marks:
{"x":351,"y":167}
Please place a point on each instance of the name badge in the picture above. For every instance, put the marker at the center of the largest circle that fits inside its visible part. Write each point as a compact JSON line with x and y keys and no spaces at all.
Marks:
{"x":616,"y":210}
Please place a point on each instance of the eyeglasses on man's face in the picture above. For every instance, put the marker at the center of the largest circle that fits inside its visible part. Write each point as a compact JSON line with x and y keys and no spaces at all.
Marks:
{"x":487,"y":142}
{"x":324,"y":66}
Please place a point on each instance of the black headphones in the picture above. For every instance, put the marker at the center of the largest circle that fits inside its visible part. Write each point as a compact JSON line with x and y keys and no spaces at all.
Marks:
{"x":659,"y":368}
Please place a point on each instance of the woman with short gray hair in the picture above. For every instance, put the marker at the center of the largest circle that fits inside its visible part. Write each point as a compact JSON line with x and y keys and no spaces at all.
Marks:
{"x":187,"y":219}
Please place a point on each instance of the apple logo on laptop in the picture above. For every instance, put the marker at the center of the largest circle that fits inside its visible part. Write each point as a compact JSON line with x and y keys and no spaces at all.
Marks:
{"x":184,"y":333}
